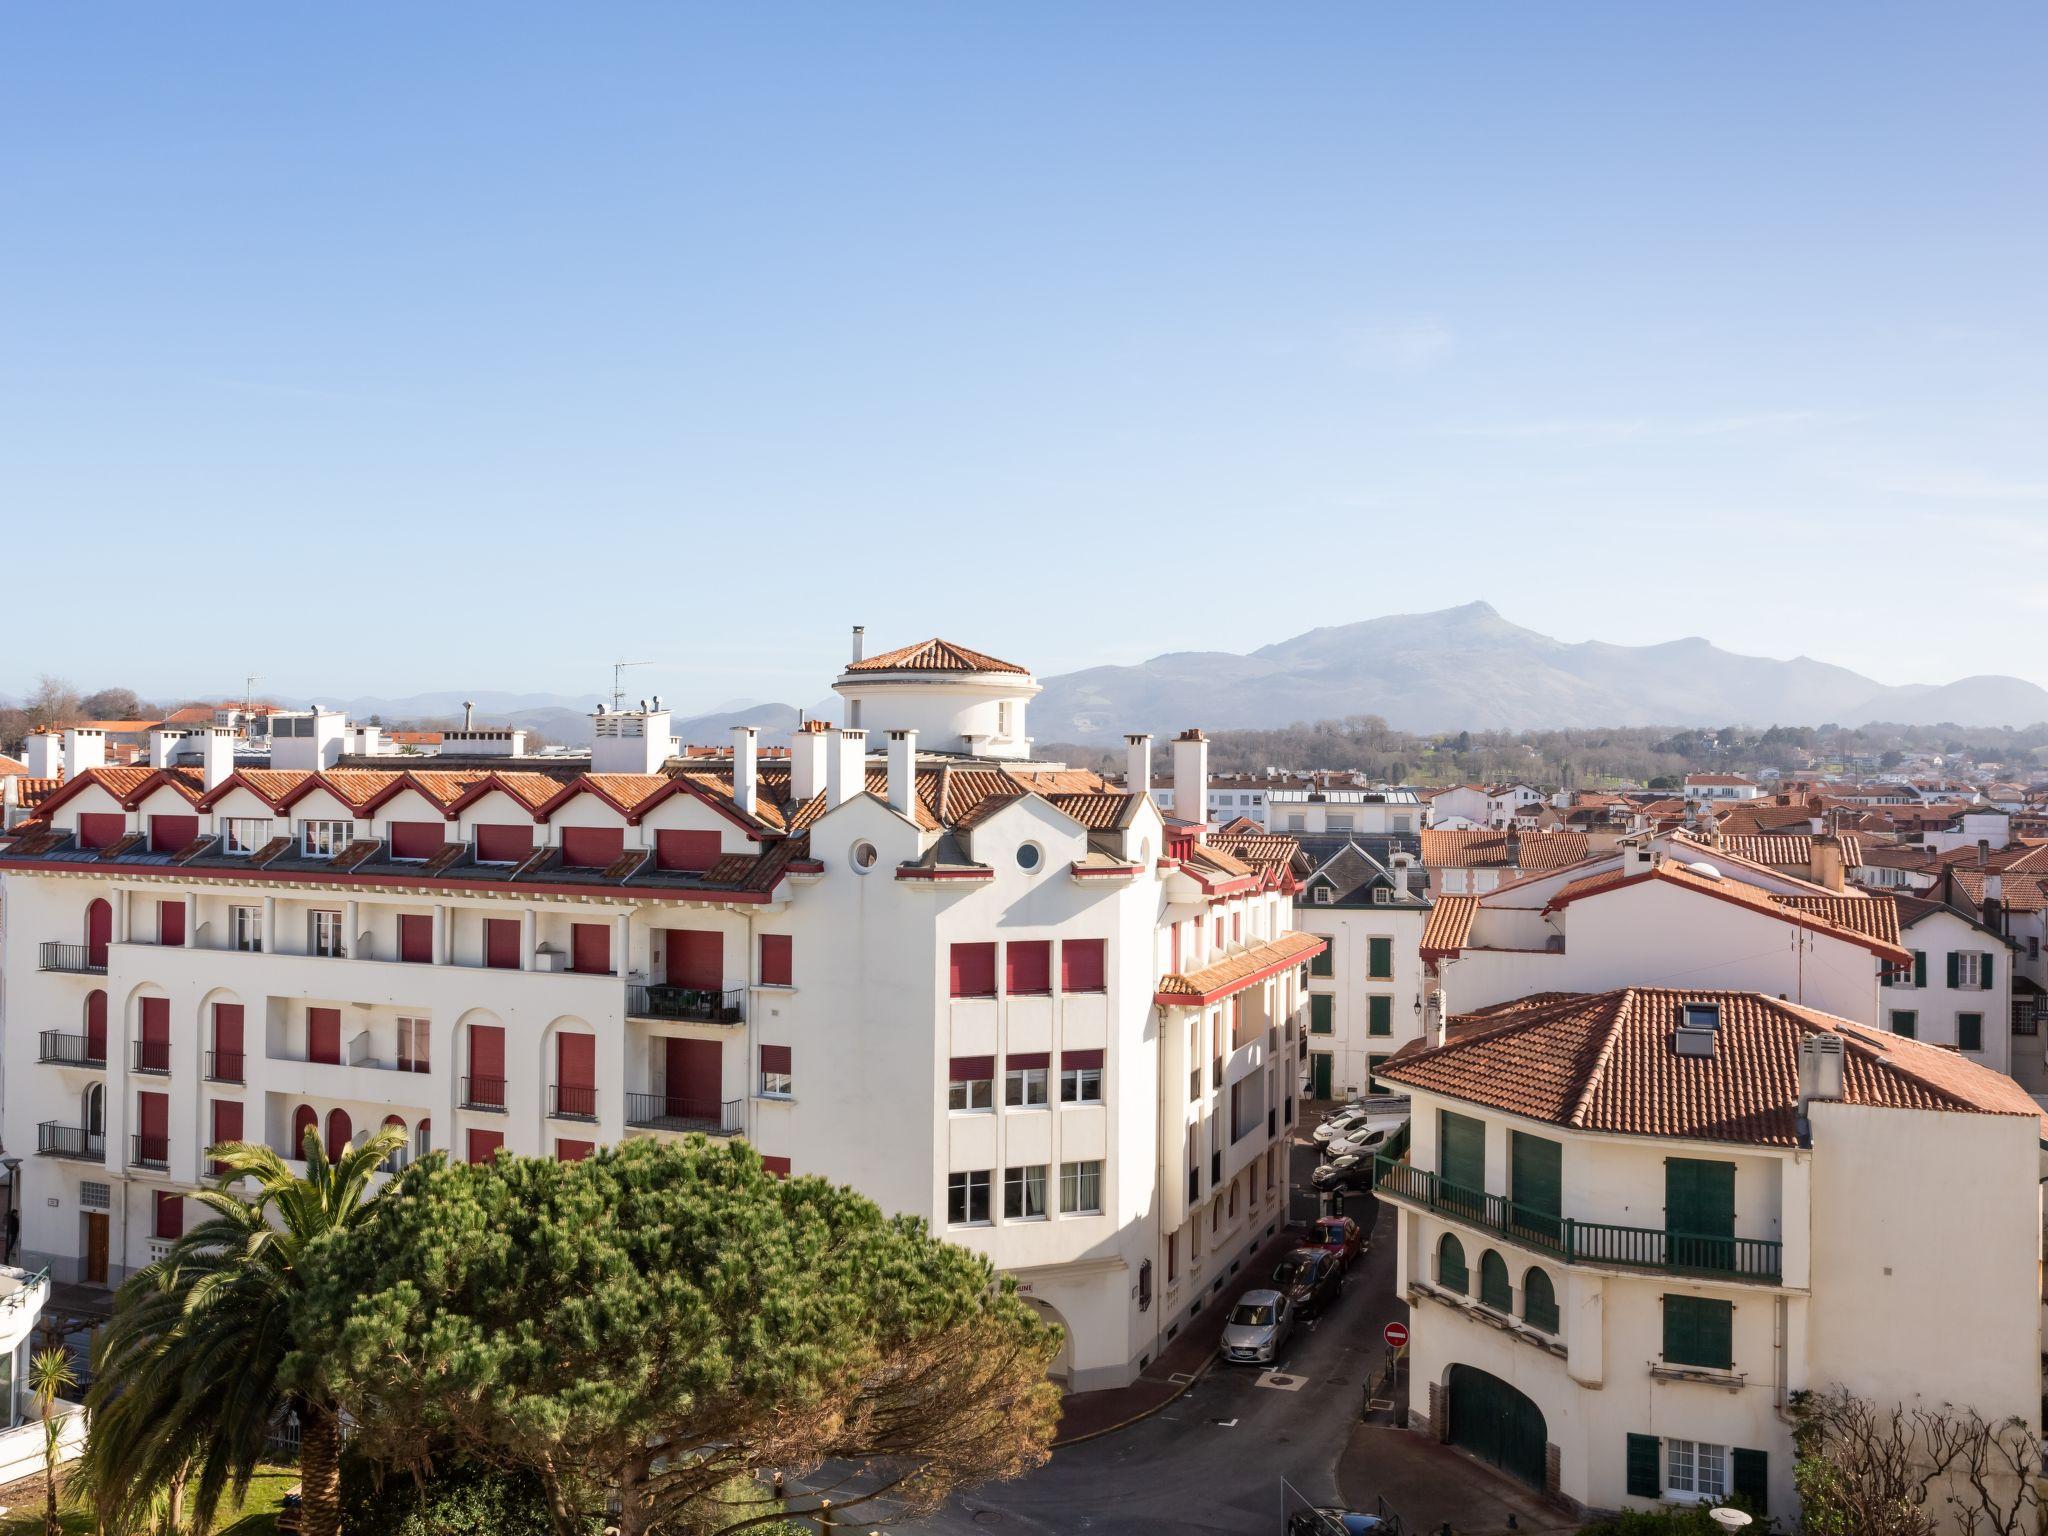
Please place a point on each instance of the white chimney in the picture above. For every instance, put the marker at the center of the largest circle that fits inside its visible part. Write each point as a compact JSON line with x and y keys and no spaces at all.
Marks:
{"x":162,"y":743}
{"x":903,"y":771}
{"x":1401,"y":861}
{"x":1138,"y":764}
{"x":84,"y":748}
{"x":807,"y":751}
{"x":308,"y":743}
{"x":1191,"y":777}
{"x":629,"y":740}
{"x":860,"y":641}
{"x":746,"y":767}
{"x":1821,"y":1060}
{"x":1436,"y":1019}
{"x":216,"y":755}
{"x":468,"y":715}
{"x":45,"y":755}
{"x":846,"y":769}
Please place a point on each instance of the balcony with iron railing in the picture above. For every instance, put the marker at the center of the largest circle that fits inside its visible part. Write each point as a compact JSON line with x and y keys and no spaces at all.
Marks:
{"x":55,"y":1139}
{"x":71,"y":1050}
{"x":685,"y":1005}
{"x":1605,"y":1244}
{"x":484,"y":1093}
{"x":674,"y":1112}
{"x":152,"y":1057}
{"x":77,"y":959}
{"x":571,"y":1101}
{"x":225,"y":1067}
{"x":149,"y":1151}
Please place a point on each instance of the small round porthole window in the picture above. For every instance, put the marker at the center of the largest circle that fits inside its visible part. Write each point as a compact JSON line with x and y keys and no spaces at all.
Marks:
{"x":864,"y":856}
{"x":1030,"y":856}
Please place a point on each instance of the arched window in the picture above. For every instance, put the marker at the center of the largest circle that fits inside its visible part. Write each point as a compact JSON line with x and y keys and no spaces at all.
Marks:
{"x":1450,"y":1264}
{"x":339,"y":1133}
{"x":99,"y":932}
{"x":1493,"y":1283}
{"x":304,"y":1119}
{"x":398,"y":1159}
{"x":423,"y":1137}
{"x":1539,"y":1301}
{"x":96,"y":1110}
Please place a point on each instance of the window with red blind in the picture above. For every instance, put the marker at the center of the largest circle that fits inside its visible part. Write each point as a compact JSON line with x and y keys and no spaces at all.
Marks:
{"x":323,"y":1035}
{"x":227,"y":1124}
{"x":416,"y":938}
{"x":168,"y":1221}
{"x":170,"y":923}
{"x":1027,"y":966}
{"x":500,"y":844}
{"x":1081,"y":965}
{"x":779,"y":1166}
{"x":484,"y":1145}
{"x":590,"y":948}
{"x":501,"y":943}
{"x":776,"y":967}
{"x":101,"y":829}
{"x":592,"y":847}
{"x":304,"y":1119}
{"x":1236,"y":926}
{"x":153,"y":1053}
{"x":567,"y":1151}
{"x":776,"y":1076}
{"x":1219,"y":933}
{"x":417,"y":839}
{"x":974,"y":970}
{"x":168,"y":834}
{"x":686,"y":851}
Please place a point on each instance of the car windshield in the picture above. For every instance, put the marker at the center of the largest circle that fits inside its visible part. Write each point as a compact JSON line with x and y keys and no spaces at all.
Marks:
{"x":1333,"y":1231}
{"x":1251,"y":1315}
{"x":1292,"y":1268}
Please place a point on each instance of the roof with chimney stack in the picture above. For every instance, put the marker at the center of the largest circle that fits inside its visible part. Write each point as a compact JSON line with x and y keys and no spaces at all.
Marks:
{"x":1608,"y":1062}
{"x":934,"y":655}
{"x":1496,"y":848}
{"x":1871,"y":921}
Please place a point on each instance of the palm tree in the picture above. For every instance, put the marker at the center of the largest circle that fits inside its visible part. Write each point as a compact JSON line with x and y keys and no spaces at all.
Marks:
{"x":190,"y":1373}
{"x":49,"y":1377}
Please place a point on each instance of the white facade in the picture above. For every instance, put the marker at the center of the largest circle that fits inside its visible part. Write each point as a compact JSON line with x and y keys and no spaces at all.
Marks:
{"x":1366,"y":991}
{"x":1340,"y":812}
{"x":1958,"y":991}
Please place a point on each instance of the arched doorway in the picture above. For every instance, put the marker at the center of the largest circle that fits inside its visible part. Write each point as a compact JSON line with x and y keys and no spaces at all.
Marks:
{"x":1061,"y":1371}
{"x":99,"y":932}
{"x":1497,"y":1423}
{"x":339,"y":1133}
{"x":304,"y":1118}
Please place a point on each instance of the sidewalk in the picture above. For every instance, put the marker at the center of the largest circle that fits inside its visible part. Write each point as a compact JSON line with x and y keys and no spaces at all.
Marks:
{"x":1434,"y":1487}
{"x":1084,"y":1415}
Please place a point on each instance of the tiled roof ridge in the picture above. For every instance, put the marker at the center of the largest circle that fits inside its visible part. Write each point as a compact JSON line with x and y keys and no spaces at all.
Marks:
{"x":934,"y":655}
{"x":1617,"y":1010}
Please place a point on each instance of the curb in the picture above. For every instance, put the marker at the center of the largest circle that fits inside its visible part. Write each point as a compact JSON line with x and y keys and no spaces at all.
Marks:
{"x":1109,"y":1429}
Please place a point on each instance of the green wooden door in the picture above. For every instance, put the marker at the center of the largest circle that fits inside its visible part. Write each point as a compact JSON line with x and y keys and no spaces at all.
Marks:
{"x":1461,"y":1162}
{"x":1319,"y":1074}
{"x":1699,"y":1214}
{"x":1536,"y":1184}
{"x":1496,"y":1423}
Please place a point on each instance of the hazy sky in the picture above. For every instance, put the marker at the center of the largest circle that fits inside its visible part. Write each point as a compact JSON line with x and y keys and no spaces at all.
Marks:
{"x":377,"y":348}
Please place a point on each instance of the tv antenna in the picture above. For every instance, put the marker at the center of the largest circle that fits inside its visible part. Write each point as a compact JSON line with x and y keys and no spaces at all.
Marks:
{"x":249,"y":693}
{"x":618,"y":687}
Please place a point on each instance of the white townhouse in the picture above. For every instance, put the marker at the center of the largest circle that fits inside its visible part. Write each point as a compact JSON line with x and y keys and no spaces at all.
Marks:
{"x":996,"y":993}
{"x":1365,"y":991}
{"x":1721,"y":788}
{"x":1341,"y":812}
{"x":1633,"y":1223}
{"x":1958,"y":990}
{"x":1470,"y":861}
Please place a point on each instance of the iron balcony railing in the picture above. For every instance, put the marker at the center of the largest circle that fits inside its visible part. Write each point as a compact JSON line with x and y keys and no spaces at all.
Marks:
{"x":153,"y":1057}
{"x":689,"y":1005}
{"x":149,"y":1151}
{"x":1583,"y":1242}
{"x":483,"y":1093}
{"x":80,"y":959}
{"x":224,"y":1066}
{"x":55,"y":1139}
{"x":673,"y":1112}
{"x":568,"y":1101}
{"x":71,"y":1050}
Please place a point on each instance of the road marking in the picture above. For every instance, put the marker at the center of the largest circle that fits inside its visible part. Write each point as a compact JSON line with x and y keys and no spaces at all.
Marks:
{"x":1224,"y":1423}
{"x":1180,"y":1378}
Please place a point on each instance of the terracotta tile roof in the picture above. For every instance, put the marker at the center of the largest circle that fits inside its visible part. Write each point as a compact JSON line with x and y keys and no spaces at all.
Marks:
{"x":10,"y":766}
{"x":1605,"y":1062}
{"x":933,"y":655}
{"x":1271,"y":853}
{"x":1449,"y":925}
{"x":1872,"y":921}
{"x":1239,"y":970}
{"x":1786,"y":849}
{"x":1489,"y":848}
{"x":2019,"y":892}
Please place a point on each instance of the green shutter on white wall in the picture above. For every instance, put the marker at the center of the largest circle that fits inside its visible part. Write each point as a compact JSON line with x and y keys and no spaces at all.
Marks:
{"x":1645,"y":1467}
{"x":1955,"y":968}
{"x":1919,"y":967}
{"x":1984,"y":972}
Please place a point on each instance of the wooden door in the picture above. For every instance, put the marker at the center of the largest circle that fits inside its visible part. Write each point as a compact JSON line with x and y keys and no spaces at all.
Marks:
{"x":693,"y":1077}
{"x":95,"y":1247}
{"x":1319,"y":1075}
{"x":96,"y":1026}
{"x":575,"y":1074}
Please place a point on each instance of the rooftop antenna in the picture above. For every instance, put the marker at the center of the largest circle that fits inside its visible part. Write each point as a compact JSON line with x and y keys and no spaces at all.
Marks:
{"x":618,"y":688}
{"x":249,"y":693}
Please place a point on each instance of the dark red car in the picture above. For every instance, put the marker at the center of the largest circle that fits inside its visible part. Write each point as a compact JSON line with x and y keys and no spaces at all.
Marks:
{"x":1340,"y":1235}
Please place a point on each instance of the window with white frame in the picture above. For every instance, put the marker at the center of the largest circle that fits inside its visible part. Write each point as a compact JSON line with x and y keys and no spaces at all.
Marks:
{"x":1969,"y":972}
{"x":1025,"y":1088}
{"x":245,"y":928}
{"x":241,"y":836}
{"x":971,"y":1093}
{"x":1695,"y":1469}
{"x":1024,"y":1193}
{"x":967,"y":1198}
{"x":414,"y":1045}
{"x":1081,"y":1085}
{"x":325,"y":839}
{"x":1381,"y":896}
{"x":324,"y":934}
{"x":1081,"y":1188}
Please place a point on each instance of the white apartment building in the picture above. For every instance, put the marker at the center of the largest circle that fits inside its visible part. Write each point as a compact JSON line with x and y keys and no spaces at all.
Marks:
{"x":1633,"y":1223}
{"x":1721,"y":788}
{"x":1341,"y":812}
{"x":1958,"y":990}
{"x":996,"y":993}
{"x":1365,"y":991}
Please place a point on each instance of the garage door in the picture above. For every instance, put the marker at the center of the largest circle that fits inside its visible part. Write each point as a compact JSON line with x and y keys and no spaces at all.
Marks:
{"x":1496,"y":1423}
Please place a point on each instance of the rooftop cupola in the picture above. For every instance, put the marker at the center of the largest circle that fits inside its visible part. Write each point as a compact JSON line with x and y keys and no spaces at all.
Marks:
{"x":957,"y":700}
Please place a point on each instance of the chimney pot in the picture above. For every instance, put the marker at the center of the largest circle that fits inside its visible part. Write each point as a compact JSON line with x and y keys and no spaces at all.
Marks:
{"x":216,"y":756}
{"x":846,"y":767}
{"x":1191,"y":780}
{"x":860,"y":633}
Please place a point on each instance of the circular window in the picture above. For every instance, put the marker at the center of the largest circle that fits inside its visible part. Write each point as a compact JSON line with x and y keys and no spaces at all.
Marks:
{"x":1029,"y":856}
{"x":864,"y":856}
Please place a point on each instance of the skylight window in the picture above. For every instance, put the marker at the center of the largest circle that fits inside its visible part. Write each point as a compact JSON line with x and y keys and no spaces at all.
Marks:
{"x":1699,"y":1015}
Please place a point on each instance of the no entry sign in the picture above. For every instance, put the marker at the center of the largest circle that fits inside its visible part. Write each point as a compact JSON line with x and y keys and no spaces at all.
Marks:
{"x":1396,"y":1335}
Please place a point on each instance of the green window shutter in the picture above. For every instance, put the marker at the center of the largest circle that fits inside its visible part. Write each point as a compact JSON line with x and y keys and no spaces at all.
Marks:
{"x":1321,"y":1013}
{"x":1752,"y":1479}
{"x":1380,"y":958}
{"x":1884,"y":976}
{"x":1494,"y":1290}
{"x":1645,"y":1467}
{"x":1699,"y":1331}
{"x":1955,"y":968}
{"x":1461,"y":1151}
{"x":1905,"y":1023}
{"x":1539,"y":1301}
{"x":1969,"y":1031}
{"x":1919,"y":967}
{"x":1984,"y":972}
{"x":1379,"y":1016}
{"x":1372,"y":1074}
{"x":1450,"y":1264}
{"x":1699,"y":1213}
{"x":1536,"y":1183}
{"x":1324,"y":964}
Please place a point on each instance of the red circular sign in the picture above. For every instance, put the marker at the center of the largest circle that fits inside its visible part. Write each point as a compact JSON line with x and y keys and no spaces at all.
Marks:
{"x":1396,"y":1335}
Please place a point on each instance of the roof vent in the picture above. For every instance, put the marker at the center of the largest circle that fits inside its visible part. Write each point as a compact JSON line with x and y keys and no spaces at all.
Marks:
{"x":1697,"y":1025}
{"x":1704,"y":870}
{"x":1821,"y":1060}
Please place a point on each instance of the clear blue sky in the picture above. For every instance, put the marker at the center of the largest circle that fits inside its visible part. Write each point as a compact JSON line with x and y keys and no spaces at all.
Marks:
{"x":388,"y":347}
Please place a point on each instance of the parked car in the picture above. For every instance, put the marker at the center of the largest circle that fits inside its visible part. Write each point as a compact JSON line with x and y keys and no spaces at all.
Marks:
{"x":1339,"y":1235}
{"x":1259,"y":1327}
{"x":1360,"y":1141}
{"x":1333,"y":1522}
{"x":1350,"y":1172}
{"x":1343,"y":1120}
{"x":1311,"y":1278}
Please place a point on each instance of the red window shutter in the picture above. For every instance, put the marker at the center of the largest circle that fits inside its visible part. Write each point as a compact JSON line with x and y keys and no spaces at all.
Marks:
{"x":576,"y":1060}
{"x":153,"y":1114}
{"x":170,"y":924}
{"x":1078,"y":1059}
{"x":487,"y":1051}
{"x":168,"y":834}
{"x":688,"y":851}
{"x":498,"y":844}
{"x":96,"y":1025}
{"x":775,"y":1058}
{"x":227,"y":1123}
{"x":101,"y":829}
{"x":501,"y":943}
{"x":485,"y":1145}
{"x":227,"y":1027}
{"x":1081,"y":966}
{"x":567,"y":1151}
{"x":974,"y":970}
{"x":417,"y":839}
{"x":169,"y":1222}
{"x":776,"y":968}
{"x":592,"y":847}
{"x":973,"y":1069}
{"x":1018,"y":1061}
{"x":156,"y":1024}
{"x":1028,"y":966}
{"x":694,"y":957}
{"x":416,"y":938}
{"x":323,"y":1035}
{"x":303,"y":1120}
{"x":779,"y":1166}
{"x":590,"y":948}
{"x":340,"y":1132}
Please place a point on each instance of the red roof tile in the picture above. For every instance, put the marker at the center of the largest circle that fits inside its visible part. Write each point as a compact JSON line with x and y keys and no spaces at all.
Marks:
{"x":933,"y":655}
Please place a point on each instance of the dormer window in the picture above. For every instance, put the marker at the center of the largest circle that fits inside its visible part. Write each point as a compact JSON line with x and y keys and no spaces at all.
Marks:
{"x":241,"y":836}
{"x":1381,"y":895}
{"x":1322,"y":895}
{"x":325,"y":839}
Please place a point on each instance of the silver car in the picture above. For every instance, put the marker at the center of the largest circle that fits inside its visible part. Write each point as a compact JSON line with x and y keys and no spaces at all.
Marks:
{"x":1259,"y":1327}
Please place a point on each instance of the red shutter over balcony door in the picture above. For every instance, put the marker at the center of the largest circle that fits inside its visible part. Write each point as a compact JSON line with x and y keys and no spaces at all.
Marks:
{"x":487,"y":1051}
{"x":416,"y":938}
{"x":153,"y":1114}
{"x":484,"y":1145}
{"x":170,"y":924}
{"x":590,"y":948}
{"x":417,"y":839}
{"x":156,"y":1022}
{"x":323,"y":1035}
{"x":227,"y":1027}
{"x":696,"y":958}
{"x":96,"y":1025}
{"x":1027,"y":966}
{"x":168,"y":834}
{"x":592,"y":847}
{"x":576,"y":1060}
{"x":501,"y":943}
